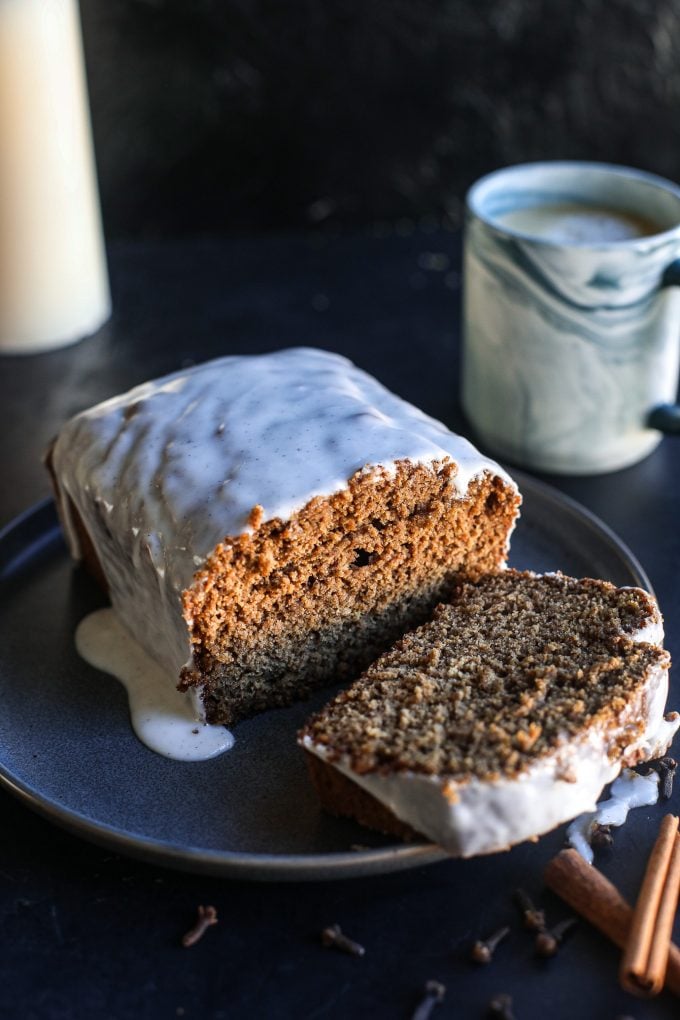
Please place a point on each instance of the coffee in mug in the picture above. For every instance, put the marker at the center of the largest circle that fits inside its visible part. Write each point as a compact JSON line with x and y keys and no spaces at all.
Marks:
{"x":569,"y":223}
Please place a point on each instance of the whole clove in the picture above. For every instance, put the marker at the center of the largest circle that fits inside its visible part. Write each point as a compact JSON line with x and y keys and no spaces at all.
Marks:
{"x":533,"y":918}
{"x":549,"y":941}
{"x":432,"y":996}
{"x":601,"y":837}
{"x":207,"y":916}
{"x":500,"y":1008}
{"x":483,"y":950}
{"x":333,"y":938}
{"x":665,"y":768}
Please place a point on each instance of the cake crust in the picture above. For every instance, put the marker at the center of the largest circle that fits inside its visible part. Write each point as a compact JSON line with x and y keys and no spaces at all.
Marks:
{"x":341,"y":797}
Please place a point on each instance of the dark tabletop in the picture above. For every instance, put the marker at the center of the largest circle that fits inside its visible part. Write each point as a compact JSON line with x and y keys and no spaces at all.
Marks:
{"x":89,"y":934}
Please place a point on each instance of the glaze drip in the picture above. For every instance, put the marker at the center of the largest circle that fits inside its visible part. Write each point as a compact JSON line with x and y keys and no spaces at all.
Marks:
{"x":629,"y":791}
{"x":165,"y":720}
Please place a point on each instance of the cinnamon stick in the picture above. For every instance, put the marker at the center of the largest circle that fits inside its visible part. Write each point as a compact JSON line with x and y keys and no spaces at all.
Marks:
{"x":660,"y":951}
{"x":591,"y":895}
{"x":643,"y":966}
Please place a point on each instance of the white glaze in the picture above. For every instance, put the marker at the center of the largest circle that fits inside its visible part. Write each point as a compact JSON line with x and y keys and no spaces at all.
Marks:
{"x":164,"y":473}
{"x":629,"y":791}
{"x":482,"y":816}
{"x":166,"y":721}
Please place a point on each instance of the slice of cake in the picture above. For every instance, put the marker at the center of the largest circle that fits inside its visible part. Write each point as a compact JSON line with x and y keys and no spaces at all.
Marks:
{"x":268,"y":524}
{"x":502,"y":717}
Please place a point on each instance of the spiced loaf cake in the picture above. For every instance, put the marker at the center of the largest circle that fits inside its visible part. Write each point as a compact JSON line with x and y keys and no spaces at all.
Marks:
{"x":502,"y":717}
{"x":267,"y":524}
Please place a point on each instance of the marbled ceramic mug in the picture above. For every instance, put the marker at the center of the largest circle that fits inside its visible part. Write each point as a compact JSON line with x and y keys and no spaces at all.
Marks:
{"x":571,"y":337}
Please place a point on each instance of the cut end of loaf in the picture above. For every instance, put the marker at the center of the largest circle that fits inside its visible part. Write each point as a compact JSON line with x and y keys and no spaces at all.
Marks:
{"x":301,"y":603}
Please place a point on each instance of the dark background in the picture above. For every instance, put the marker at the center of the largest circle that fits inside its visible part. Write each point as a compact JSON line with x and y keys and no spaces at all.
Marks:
{"x":234,"y":116}
{"x":360,"y":118}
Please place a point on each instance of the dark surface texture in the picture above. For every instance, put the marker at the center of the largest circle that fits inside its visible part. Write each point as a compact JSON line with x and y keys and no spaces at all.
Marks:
{"x":232,"y":115}
{"x":90,"y":934}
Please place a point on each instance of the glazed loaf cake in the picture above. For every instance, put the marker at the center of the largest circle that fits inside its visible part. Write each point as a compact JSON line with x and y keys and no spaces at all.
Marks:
{"x":268,"y":524}
{"x":502,"y":717}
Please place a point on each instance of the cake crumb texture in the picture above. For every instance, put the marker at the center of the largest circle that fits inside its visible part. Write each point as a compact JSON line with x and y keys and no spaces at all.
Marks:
{"x":512,"y":668}
{"x":297,"y":604}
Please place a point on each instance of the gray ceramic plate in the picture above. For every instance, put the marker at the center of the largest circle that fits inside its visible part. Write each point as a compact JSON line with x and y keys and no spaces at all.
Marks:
{"x":67,"y":748}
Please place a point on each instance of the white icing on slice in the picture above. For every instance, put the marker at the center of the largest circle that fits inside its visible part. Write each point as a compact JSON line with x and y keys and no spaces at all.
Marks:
{"x":657,"y":743}
{"x":484,"y":816}
{"x":629,"y":791}
{"x":164,"y":719}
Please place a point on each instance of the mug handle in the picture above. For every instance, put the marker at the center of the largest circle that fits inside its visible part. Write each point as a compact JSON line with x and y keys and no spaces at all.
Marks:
{"x":666,"y":417}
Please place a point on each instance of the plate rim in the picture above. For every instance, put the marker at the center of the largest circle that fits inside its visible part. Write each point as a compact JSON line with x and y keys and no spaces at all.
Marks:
{"x":41,"y":519}
{"x":576,"y":509}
